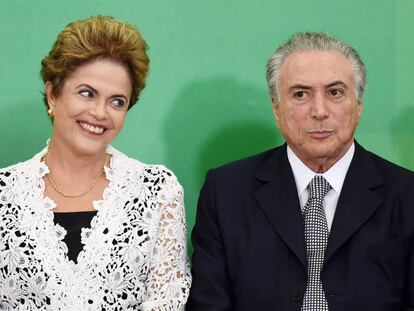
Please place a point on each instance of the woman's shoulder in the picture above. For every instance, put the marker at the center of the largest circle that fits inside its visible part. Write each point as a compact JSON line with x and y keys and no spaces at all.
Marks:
{"x":11,"y":169}
{"x":126,"y":165}
{"x":27,"y":167}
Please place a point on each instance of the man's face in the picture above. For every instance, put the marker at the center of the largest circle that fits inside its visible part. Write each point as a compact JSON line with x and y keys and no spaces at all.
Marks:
{"x":318,"y":110}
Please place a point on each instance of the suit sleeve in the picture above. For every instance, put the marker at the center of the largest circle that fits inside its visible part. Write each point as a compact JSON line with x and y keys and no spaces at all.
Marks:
{"x":211,"y":289}
{"x":409,"y":289}
{"x":408,"y":222}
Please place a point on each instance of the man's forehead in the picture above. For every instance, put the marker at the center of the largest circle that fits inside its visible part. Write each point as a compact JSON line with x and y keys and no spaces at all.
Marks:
{"x":321,"y":67}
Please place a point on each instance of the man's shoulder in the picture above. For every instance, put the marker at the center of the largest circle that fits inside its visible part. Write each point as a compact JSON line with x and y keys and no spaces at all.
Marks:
{"x":389,"y":181}
{"x":390,"y":171}
{"x":245,"y":167}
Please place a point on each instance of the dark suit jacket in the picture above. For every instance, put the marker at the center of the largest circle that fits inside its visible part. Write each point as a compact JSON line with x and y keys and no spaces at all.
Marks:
{"x":250,"y":248}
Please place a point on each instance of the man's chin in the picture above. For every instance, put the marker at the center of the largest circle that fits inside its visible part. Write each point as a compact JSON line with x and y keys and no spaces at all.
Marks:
{"x":327,"y":152}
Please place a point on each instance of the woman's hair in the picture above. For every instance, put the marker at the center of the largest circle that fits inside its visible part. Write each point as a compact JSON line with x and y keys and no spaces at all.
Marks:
{"x":98,"y":37}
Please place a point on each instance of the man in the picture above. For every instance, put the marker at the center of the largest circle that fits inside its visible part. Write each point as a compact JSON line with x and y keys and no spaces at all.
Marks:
{"x":318,"y":223}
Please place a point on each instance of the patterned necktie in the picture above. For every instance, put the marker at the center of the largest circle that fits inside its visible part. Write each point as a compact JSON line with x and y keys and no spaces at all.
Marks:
{"x":316,"y":238}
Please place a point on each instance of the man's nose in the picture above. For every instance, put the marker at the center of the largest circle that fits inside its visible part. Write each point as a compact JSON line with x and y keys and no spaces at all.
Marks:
{"x":320,"y":109}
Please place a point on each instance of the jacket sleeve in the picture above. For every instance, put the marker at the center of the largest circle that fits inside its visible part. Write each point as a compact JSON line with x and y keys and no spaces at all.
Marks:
{"x":211,"y":289}
{"x":169,"y":277}
{"x":409,"y":288}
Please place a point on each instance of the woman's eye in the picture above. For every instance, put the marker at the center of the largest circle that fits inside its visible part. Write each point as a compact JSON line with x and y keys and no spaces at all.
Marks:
{"x":118,"y":103}
{"x":86,"y":93}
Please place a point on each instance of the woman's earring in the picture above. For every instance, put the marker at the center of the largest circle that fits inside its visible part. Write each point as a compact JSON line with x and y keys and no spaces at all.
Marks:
{"x":50,"y":113}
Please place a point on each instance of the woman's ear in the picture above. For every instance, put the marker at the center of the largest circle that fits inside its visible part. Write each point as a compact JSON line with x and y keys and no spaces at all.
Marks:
{"x":50,"y":99}
{"x":49,"y":94}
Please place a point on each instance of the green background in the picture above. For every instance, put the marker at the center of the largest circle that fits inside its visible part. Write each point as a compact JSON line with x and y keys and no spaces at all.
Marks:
{"x":206,"y":100}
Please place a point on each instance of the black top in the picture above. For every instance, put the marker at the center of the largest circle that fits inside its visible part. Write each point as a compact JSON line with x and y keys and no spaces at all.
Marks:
{"x":73,"y":222}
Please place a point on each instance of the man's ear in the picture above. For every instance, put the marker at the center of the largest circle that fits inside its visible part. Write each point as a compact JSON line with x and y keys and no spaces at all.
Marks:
{"x":276,"y":110}
{"x":360,"y":107}
{"x":275,"y":107}
{"x":51,"y":100}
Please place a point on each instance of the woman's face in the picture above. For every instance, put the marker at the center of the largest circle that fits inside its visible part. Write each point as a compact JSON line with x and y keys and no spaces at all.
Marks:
{"x":90,"y":110}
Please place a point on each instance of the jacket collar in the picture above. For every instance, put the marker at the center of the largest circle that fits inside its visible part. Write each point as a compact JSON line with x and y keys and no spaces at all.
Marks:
{"x":279,"y":200}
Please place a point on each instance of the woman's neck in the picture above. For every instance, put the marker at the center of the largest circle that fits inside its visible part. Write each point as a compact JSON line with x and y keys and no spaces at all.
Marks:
{"x":67,"y":164}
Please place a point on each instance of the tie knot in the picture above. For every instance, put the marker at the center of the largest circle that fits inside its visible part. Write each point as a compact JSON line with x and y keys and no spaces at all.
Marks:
{"x":318,"y":187}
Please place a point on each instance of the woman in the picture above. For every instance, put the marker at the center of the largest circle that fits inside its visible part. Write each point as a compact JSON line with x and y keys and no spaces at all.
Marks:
{"x":82,"y":226}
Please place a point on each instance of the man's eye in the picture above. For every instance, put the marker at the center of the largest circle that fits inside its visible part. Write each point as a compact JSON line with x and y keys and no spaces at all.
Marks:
{"x":118,"y":103}
{"x":336,"y":92}
{"x":86,"y":93}
{"x":299,"y":94}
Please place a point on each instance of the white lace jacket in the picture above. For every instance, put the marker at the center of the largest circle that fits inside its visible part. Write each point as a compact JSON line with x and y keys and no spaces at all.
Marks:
{"x":134,"y":254}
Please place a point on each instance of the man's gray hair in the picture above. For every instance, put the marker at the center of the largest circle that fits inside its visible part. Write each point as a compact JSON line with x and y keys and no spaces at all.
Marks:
{"x":314,"y":41}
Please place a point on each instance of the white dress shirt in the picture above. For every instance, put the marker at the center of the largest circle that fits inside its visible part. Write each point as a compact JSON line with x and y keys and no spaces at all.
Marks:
{"x":335,"y":176}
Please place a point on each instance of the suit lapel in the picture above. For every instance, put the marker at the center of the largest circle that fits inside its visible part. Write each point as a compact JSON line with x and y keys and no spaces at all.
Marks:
{"x":357,"y":202}
{"x":279,"y":201}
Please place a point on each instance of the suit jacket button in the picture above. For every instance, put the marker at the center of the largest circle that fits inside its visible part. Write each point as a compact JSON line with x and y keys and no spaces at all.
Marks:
{"x":296,"y":295}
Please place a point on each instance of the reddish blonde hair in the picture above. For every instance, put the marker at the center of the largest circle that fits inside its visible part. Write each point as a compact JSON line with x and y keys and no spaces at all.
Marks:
{"x":98,"y":37}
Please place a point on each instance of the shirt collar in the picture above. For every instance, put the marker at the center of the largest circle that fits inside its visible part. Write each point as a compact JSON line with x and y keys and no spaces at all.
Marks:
{"x":335,"y":175}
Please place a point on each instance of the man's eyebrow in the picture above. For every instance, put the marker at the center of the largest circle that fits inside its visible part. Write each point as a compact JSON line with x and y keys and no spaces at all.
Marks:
{"x":299,"y":86}
{"x":337,"y":83}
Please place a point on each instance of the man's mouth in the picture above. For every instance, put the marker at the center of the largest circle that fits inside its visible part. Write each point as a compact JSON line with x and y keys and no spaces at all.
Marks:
{"x":320,"y":134}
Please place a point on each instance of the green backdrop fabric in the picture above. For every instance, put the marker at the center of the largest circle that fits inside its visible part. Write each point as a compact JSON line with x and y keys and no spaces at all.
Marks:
{"x":206,"y":100}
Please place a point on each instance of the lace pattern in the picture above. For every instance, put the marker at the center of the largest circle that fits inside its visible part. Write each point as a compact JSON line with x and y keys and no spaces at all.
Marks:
{"x":134,"y":254}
